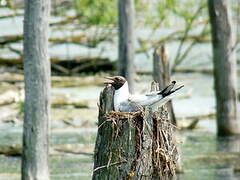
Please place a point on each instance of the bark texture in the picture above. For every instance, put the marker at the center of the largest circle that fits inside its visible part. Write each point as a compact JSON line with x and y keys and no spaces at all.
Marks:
{"x":133,"y":146}
{"x":225,"y":76}
{"x":162,"y":75}
{"x":126,"y":37}
{"x":37,"y":90}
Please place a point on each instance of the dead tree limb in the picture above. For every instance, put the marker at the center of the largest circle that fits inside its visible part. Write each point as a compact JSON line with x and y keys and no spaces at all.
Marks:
{"x":68,"y":66}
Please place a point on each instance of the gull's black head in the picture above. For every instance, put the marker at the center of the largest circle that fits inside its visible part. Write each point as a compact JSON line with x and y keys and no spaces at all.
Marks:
{"x":116,"y":81}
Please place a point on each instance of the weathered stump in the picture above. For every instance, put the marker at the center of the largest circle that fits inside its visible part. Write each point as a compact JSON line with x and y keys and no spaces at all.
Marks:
{"x":162,"y":75}
{"x":137,"y":145}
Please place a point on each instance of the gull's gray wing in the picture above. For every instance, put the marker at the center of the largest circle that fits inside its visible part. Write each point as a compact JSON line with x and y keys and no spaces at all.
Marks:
{"x":130,"y":106}
{"x":153,"y":93}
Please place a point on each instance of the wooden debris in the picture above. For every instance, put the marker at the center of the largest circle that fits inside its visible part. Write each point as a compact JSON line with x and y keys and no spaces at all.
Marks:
{"x":9,"y":97}
{"x":59,"y":101}
{"x":69,"y":66}
{"x":75,"y":148}
{"x":12,"y":150}
{"x":57,"y":81}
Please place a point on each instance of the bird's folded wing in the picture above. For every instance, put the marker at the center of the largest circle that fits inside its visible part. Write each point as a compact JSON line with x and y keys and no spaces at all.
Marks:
{"x":144,"y":100}
{"x":134,"y":107}
{"x":136,"y":98}
{"x":153,"y":93}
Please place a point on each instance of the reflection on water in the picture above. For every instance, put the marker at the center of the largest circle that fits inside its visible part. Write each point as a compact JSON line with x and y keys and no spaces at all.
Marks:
{"x":207,"y":157}
{"x":228,"y":144}
{"x":204,"y":156}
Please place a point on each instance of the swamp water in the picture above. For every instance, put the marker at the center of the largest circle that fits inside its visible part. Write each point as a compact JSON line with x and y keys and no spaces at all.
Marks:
{"x":203,"y":155}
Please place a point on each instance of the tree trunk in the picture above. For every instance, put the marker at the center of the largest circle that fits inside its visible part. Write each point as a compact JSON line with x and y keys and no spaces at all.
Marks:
{"x":133,"y":146}
{"x":162,"y":75}
{"x":37,"y":90}
{"x":126,"y":37}
{"x":225,"y":68}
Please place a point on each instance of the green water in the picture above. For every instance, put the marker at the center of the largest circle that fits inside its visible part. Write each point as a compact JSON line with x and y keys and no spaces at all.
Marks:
{"x":198,"y":148}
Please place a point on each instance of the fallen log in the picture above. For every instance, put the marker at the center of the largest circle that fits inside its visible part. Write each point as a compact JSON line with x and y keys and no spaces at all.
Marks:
{"x":135,"y":145}
{"x":57,"y":81}
{"x":64,"y":101}
{"x":86,"y":149}
{"x":80,"y":39}
{"x":12,"y":150}
{"x":11,"y":96}
{"x":180,"y":70}
{"x":10,"y":39}
{"x":11,"y":15}
{"x":69,"y":66}
{"x":16,"y":150}
{"x":91,"y":64}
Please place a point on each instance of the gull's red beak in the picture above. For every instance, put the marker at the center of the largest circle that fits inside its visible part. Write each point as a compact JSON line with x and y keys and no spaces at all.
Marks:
{"x":109,"y":82}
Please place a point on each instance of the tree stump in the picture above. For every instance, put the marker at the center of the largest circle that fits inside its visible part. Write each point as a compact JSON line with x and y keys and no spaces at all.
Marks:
{"x":136,"y":145}
{"x":162,"y":75}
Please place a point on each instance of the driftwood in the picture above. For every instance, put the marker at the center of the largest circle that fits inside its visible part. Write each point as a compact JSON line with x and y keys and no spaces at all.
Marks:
{"x":11,"y":150}
{"x":10,"y":39}
{"x":64,"y":101}
{"x":136,"y":145}
{"x":80,"y":39}
{"x":16,"y":150}
{"x":69,"y":66}
{"x":9,"y":97}
{"x":181,"y":70}
{"x":79,"y":65}
{"x":57,"y":81}
{"x":85,"y":149}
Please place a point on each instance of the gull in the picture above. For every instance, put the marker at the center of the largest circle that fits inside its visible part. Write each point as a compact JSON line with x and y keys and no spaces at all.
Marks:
{"x":124,"y":101}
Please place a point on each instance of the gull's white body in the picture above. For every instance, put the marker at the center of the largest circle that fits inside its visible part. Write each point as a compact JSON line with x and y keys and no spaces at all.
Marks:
{"x":126,"y":102}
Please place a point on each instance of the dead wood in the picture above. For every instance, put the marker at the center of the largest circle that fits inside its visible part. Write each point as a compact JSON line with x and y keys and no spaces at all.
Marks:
{"x":12,"y":150}
{"x":69,"y":66}
{"x":180,"y":70}
{"x":80,"y":39}
{"x":11,"y":15}
{"x":57,"y":81}
{"x":135,"y":145}
{"x":10,"y":39}
{"x":162,"y":75}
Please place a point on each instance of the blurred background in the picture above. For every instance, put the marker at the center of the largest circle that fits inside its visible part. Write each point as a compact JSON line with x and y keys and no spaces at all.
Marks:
{"x":84,"y":49}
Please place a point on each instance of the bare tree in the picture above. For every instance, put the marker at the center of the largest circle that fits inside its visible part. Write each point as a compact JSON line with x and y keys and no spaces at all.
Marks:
{"x":37,"y":90}
{"x":223,"y":40}
{"x":126,"y":40}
